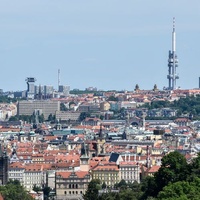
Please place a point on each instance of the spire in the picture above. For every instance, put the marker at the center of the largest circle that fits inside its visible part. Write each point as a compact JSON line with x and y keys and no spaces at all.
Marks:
{"x":100,"y":132}
{"x":84,"y":150}
{"x":173,"y":37}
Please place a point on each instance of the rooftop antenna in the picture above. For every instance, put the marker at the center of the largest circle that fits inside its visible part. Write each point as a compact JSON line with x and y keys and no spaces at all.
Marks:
{"x":58,"y":78}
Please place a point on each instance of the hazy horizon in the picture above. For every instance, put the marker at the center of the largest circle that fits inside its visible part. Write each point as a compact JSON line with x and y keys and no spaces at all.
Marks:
{"x":111,"y":45}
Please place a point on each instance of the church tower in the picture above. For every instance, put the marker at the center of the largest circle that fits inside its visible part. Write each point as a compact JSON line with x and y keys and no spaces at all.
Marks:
{"x":3,"y":166}
{"x":84,"y":159}
{"x":100,"y":142}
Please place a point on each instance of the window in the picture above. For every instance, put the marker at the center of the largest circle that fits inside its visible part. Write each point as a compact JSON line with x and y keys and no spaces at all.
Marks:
{"x":65,"y":192}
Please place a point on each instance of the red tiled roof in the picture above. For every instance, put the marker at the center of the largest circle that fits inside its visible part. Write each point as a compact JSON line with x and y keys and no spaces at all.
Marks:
{"x":153,"y":169}
{"x":106,"y":168}
{"x":79,"y":174}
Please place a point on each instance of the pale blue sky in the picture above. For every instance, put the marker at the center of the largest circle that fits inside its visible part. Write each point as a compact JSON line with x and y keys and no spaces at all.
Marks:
{"x":108,"y":44}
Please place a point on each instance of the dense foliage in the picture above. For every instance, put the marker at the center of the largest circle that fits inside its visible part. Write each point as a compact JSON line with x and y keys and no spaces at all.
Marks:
{"x":187,"y":105}
{"x":175,"y":180}
{"x":5,"y":99}
{"x":28,"y":118}
{"x":14,"y":191}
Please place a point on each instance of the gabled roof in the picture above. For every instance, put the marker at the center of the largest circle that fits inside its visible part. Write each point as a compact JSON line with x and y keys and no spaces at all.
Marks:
{"x":79,"y":174}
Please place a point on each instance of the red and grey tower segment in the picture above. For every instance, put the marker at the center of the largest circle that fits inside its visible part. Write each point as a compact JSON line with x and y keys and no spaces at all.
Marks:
{"x":172,"y":62}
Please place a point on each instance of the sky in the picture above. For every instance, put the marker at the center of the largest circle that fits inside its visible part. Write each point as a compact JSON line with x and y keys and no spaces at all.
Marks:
{"x":107,"y":44}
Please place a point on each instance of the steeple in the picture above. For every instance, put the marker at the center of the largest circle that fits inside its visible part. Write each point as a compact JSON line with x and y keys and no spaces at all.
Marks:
{"x":4,"y":164}
{"x":100,"y":132}
{"x":84,"y":159}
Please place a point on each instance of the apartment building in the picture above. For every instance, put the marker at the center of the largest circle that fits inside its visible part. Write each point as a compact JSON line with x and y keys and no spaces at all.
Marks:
{"x":33,"y":175}
{"x":28,"y":175}
{"x":16,"y":172}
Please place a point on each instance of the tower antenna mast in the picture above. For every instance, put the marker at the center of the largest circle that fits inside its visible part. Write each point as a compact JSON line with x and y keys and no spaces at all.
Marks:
{"x":172,"y":62}
{"x":58,"y":78}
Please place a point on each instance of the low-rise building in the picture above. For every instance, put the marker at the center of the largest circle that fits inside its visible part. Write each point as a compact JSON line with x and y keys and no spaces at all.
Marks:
{"x":67,"y":115}
{"x":71,"y":185}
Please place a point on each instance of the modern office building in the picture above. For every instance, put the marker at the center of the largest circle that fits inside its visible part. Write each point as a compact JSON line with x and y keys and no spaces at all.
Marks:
{"x":48,"y":90}
{"x":199,"y":82}
{"x":45,"y":107}
{"x":44,"y":92}
{"x":64,"y":89}
{"x":30,"y":93}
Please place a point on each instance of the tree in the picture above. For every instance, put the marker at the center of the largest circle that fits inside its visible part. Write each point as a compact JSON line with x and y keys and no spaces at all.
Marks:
{"x":194,"y":168}
{"x":51,"y":118}
{"x":103,"y":185}
{"x":127,"y":195}
{"x":155,"y":88}
{"x":122,"y":184}
{"x":13,"y":118}
{"x":112,"y":98}
{"x":93,"y":189}
{"x":137,"y":87}
{"x":181,"y":190}
{"x":13,"y":190}
{"x":83,"y":115}
{"x":41,"y":118}
{"x":148,"y":187}
{"x":46,"y":191}
{"x":63,"y":107}
{"x":174,"y":168}
{"x":36,"y":188}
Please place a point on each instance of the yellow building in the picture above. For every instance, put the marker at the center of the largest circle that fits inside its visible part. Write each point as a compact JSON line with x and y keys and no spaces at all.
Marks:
{"x":106,"y":173}
{"x":104,"y":106}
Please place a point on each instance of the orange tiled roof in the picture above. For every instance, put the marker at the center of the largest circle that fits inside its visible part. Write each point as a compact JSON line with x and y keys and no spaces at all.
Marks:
{"x":79,"y":174}
{"x":127,"y":163}
{"x":153,"y":169}
{"x":106,"y":168}
{"x":33,"y":167}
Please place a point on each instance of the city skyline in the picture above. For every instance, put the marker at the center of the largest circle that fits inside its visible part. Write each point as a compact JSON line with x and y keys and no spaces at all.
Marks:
{"x":108,"y":45}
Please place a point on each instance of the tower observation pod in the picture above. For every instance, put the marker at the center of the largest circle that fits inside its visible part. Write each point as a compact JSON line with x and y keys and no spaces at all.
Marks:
{"x":172,"y":62}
